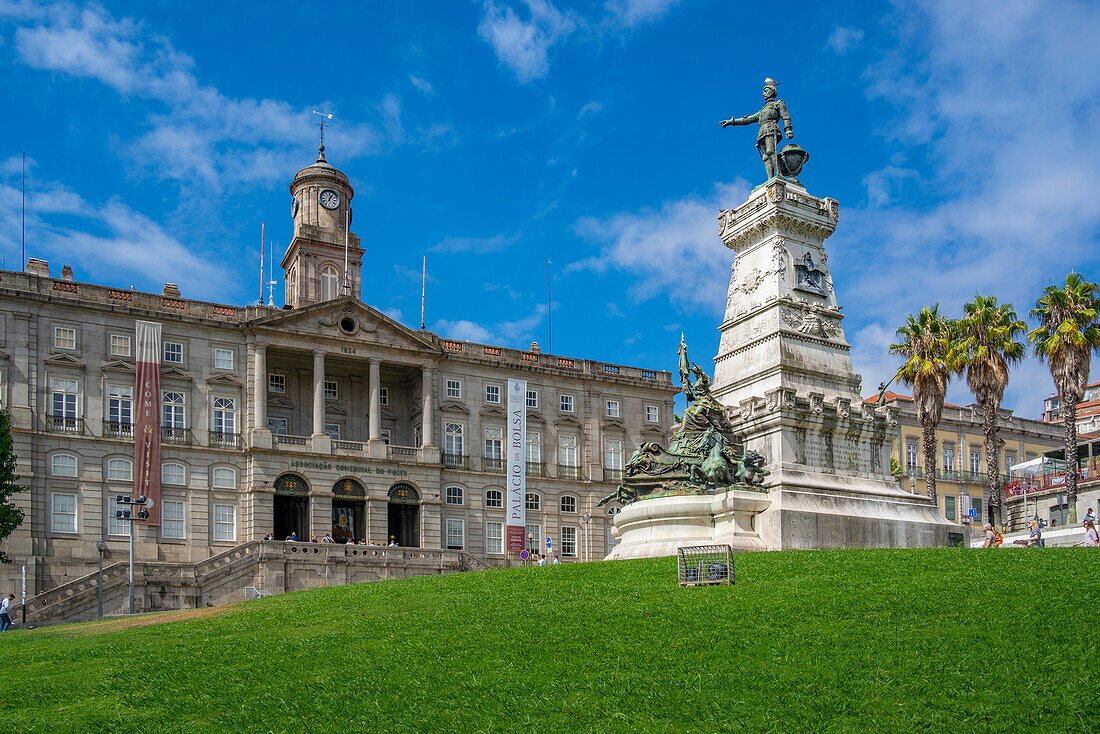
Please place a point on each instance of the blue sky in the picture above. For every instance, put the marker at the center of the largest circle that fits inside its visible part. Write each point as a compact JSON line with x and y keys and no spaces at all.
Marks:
{"x":492,"y":136}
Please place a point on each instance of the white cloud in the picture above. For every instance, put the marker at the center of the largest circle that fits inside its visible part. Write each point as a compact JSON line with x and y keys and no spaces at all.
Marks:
{"x":630,"y":13}
{"x":515,"y":334}
{"x":476,"y":245}
{"x":590,"y":109}
{"x":524,"y":45}
{"x":422,"y":85}
{"x":842,"y":39}
{"x":674,"y":250}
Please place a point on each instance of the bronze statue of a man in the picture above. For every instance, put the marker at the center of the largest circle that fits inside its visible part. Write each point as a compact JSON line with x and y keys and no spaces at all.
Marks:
{"x":768,"y":136}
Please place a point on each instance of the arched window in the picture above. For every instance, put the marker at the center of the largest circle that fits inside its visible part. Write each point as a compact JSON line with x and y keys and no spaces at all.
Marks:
{"x":291,"y":484}
{"x":568,"y":503}
{"x":494,"y":498}
{"x":330,"y":283}
{"x":402,"y":493}
{"x":454,"y":495}
{"x":225,"y":477}
{"x":121,"y":470}
{"x":533,"y":501}
{"x":63,"y":465}
{"x":172,"y":472}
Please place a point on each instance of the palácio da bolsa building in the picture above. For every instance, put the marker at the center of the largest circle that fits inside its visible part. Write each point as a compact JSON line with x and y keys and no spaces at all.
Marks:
{"x":321,"y":418}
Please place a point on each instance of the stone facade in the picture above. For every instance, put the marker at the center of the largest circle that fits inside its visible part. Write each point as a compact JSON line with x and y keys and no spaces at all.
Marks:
{"x":322,"y":416}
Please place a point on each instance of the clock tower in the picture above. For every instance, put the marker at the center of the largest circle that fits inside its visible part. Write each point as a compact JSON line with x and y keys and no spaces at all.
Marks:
{"x":314,"y":262}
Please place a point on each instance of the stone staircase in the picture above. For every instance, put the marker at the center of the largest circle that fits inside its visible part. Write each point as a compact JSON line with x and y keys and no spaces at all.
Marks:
{"x":242,"y":572}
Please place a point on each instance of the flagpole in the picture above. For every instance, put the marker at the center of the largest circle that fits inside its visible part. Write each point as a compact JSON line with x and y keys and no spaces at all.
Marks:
{"x":423,"y":283}
{"x":347,"y":226}
{"x":261,"y":263}
{"x":549,"y":317}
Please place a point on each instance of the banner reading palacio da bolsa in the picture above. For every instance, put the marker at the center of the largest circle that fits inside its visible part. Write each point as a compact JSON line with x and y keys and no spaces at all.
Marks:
{"x":517,"y":464}
{"x":147,"y":420}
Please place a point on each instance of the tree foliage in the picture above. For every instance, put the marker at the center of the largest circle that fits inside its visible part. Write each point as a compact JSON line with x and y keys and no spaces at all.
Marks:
{"x":10,"y":516}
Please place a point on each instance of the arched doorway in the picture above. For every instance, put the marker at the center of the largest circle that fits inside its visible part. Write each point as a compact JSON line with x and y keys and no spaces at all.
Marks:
{"x":291,"y":507}
{"x":404,"y":512}
{"x":349,"y":502}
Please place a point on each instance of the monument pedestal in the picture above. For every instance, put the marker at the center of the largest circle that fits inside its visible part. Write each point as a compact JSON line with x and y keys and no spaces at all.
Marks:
{"x":657,"y":527}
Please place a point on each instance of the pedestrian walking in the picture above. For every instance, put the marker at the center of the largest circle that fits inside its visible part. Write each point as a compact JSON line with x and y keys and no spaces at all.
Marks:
{"x":5,"y":611}
{"x":1091,"y":540}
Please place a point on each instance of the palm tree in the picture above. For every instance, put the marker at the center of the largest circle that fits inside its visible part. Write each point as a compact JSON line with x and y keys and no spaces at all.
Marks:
{"x":1065,"y":339}
{"x":926,"y":342}
{"x":987,"y":347}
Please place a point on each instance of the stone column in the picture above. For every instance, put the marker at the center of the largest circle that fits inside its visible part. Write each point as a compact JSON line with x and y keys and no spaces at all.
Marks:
{"x":426,"y":432}
{"x":260,"y":386}
{"x":318,"y":393}
{"x":375,"y":401}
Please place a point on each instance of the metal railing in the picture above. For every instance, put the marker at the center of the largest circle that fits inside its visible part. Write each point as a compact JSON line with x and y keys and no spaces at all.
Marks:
{"x":536,"y":468}
{"x":612,"y":474}
{"x":118,"y":429}
{"x":951,"y":475}
{"x":456,"y":461}
{"x":61,"y":424}
{"x":492,"y":464}
{"x":181,"y":436}
{"x":225,"y":440}
{"x":566,"y":471}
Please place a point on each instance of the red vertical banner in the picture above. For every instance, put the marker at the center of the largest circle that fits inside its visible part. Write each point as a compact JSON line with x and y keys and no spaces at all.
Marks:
{"x":147,"y":418}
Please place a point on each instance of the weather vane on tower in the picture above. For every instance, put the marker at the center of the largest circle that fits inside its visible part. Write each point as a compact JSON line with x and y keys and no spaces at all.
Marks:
{"x":324,"y":117}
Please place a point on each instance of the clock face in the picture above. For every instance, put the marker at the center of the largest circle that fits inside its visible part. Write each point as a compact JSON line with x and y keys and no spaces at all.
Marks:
{"x":294,"y":207}
{"x":329,"y":199}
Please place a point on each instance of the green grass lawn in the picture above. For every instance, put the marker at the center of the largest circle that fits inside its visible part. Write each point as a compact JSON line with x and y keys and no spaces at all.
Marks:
{"x":811,"y":641}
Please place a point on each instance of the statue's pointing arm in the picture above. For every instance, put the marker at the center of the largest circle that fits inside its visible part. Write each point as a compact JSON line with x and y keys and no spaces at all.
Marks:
{"x":788,"y":129}
{"x":741,"y":120}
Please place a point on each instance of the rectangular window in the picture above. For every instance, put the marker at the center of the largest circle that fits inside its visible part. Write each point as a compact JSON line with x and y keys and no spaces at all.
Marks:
{"x":568,"y":542}
{"x":533,"y":538}
{"x":173,"y":352}
{"x":452,"y":439}
{"x":567,"y":450}
{"x":418,"y":436}
{"x":63,"y":404}
{"x":492,"y":393}
{"x":172,"y":523}
{"x":1010,"y":461}
{"x":332,"y":430}
{"x":278,"y":426}
{"x":63,"y":513}
{"x":494,"y":442}
{"x":225,"y":522}
{"x":613,"y":454}
{"x":225,"y":477}
{"x":173,"y":413}
{"x":454,"y":495}
{"x":612,"y":409}
{"x":64,"y":337}
{"x":532,"y":501}
{"x":385,"y":434}
{"x":332,"y":390}
{"x":117,"y":525}
{"x":566,"y":403}
{"x":652,"y":413}
{"x":949,"y":507}
{"x":223,"y":359}
{"x":976,"y":503}
{"x":949,"y":457}
{"x":225,"y":415}
{"x":532,"y":398}
{"x":975,"y":461}
{"x":534,"y":447}
{"x":120,"y":409}
{"x":454,"y":388}
{"x":494,"y":538}
{"x":912,"y":455}
{"x":276,"y":383}
{"x":383,"y":396}
{"x":455,"y":534}
{"x":120,"y":345}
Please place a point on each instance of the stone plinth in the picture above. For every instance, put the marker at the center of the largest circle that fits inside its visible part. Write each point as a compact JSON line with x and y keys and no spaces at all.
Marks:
{"x":656,"y":527}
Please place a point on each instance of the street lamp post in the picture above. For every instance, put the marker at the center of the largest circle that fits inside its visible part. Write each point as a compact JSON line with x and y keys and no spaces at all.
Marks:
{"x":131,"y":517}
{"x":530,"y":544}
{"x":102,"y":548}
{"x":586,"y":518}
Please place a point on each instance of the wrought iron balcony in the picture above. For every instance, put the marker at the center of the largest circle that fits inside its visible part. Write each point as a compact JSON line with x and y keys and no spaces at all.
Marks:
{"x":456,"y":461}
{"x":612,"y":475}
{"x":61,"y":424}
{"x":225,"y":440}
{"x":118,"y":429}
{"x":536,"y":468}
{"x":179,"y":436}
{"x":492,"y":464}
{"x":952,"y":475}
{"x":566,"y":471}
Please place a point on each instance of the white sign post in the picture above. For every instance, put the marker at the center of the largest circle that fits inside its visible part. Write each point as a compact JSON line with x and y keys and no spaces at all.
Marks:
{"x":517,"y":465}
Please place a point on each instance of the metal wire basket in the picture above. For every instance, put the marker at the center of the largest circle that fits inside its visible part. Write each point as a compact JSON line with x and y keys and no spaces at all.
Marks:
{"x":703,"y":565}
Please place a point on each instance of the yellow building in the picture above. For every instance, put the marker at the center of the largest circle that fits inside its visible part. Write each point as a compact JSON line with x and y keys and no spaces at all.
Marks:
{"x":961,"y":481}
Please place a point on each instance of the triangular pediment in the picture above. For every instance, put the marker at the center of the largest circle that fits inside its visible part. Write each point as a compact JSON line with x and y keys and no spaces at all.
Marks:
{"x":453,"y":406}
{"x":173,"y":373}
{"x":335,"y":409}
{"x":279,"y":403}
{"x":388,"y":414}
{"x":566,"y":420}
{"x":64,"y":360}
{"x":369,"y":325}
{"x":492,"y":411}
{"x":4,"y":355}
{"x":653,"y":429}
{"x":612,"y":424}
{"x":221,"y":378}
{"x":117,"y":365}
